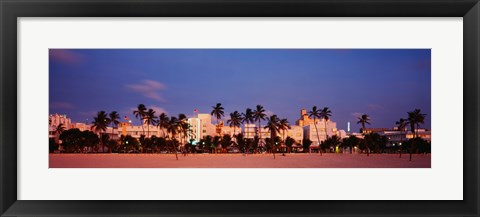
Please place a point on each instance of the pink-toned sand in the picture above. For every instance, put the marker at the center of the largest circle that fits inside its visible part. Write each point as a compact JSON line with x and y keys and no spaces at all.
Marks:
{"x":238,"y":161}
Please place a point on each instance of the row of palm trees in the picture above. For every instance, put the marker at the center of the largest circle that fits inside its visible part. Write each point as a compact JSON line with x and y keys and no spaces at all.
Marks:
{"x":175,"y":125}
{"x":274,"y":123}
{"x":414,"y":119}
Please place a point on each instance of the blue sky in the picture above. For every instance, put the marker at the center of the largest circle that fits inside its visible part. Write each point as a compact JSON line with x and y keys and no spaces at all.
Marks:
{"x":385,"y":84}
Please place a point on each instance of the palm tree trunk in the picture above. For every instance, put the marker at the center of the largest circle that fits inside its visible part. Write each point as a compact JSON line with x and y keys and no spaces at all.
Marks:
{"x":318,"y":136}
{"x":401,"y":141}
{"x":259,"y":133}
{"x":326,"y":131}
{"x":174,"y":149}
{"x":273,"y":145}
{"x":143,"y":129}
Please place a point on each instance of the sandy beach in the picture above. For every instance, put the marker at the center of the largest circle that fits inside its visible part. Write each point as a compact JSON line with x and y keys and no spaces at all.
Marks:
{"x":299,"y":160}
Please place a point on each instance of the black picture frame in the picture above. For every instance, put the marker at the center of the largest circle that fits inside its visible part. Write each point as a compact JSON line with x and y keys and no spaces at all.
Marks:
{"x":10,"y":10}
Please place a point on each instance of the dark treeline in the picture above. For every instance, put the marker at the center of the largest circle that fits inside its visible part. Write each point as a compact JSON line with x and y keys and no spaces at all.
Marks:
{"x":175,"y":132}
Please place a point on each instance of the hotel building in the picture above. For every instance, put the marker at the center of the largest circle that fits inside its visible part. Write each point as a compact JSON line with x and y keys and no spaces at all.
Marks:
{"x":201,"y":126}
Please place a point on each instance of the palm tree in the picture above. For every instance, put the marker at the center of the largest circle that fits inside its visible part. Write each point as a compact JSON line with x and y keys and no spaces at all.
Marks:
{"x":364,"y":119}
{"x":235,"y":121}
{"x":150,"y":119}
{"x":172,"y":128}
{"x":100,"y":123}
{"x":258,"y":115}
{"x":325,"y":113}
{"x":273,"y":127}
{"x":333,"y":141}
{"x":401,"y":124}
{"x":315,"y":113}
{"x":162,"y":122}
{"x":247,"y":118}
{"x":415,"y":118}
{"x":283,"y":125}
{"x":140,"y":114}
{"x":182,"y":125}
{"x":351,"y":142}
{"x":114,"y":117}
{"x":218,"y":113}
{"x":59,"y":130}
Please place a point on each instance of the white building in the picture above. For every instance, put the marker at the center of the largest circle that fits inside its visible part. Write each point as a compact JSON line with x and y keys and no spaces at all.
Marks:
{"x":227,"y":130}
{"x":54,"y":120}
{"x":201,"y":126}
{"x":310,"y":131}
{"x":396,"y":136}
{"x":250,"y":131}
{"x":295,"y":132}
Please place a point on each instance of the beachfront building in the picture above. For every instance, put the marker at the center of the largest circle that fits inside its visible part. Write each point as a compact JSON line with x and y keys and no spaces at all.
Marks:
{"x":304,"y":119}
{"x":227,"y":130}
{"x":250,"y":131}
{"x":82,"y":126}
{"x":310,"y":131}
{"x":295,"y":132}
{"x":126,"y":128}
{"x":201,"y":126}
{"x":54,"y":120}
{"x":395,"y":136}
{"x":375,"y":130}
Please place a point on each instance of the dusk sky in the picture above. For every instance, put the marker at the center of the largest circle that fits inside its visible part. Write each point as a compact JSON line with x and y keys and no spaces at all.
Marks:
{"x":385,"y":84}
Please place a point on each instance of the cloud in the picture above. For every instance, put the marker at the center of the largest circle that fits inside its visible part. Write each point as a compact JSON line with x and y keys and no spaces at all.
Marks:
{"x":65,"y":56}
{"x":149,"y":89}
{"x":61,"y":105}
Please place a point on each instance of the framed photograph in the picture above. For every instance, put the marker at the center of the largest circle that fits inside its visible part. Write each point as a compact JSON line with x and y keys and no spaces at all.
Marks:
{"x":177,"y":108}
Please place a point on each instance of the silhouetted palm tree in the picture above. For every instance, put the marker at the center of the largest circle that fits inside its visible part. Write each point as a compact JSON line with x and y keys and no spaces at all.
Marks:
{"x":59,"y":130}
{"x":351,"y":142}
{"x":325,"y":114}
{"x":150,"y":119}
{"x":282,"y":126}
{"x":162,"y":122}
{"x":218,"y":113}
{"x":100,"y":123}
{"x":235,"y":121}
{"x":258,"y":115}
{"x":273,"y":127}
{"x":315,"y":113}
{"x":401,"y":124}
{"x":415,"y":118}
{"x":114,"y":119}
{"x":140,"y":114}
{"x":364,"y":119}
{"x":247,"y":118}
{"x":172,"y":128}
{"x":182,"y":126}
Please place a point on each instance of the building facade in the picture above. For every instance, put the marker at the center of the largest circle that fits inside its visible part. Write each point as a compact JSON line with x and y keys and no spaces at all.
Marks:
{"x":201,"y":126}
{"x":310,"y":131}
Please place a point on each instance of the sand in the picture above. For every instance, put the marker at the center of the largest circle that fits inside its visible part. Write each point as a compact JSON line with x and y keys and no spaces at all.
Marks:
{"x":298,"y":160}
